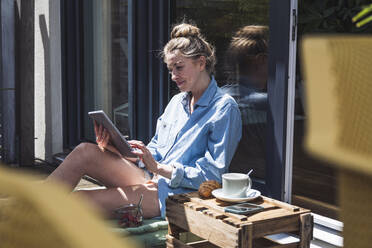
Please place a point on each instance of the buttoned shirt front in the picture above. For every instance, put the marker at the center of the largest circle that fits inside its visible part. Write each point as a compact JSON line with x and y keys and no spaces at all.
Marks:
{"x":199,"y":145}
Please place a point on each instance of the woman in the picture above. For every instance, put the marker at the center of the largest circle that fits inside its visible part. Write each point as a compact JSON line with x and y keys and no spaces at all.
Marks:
{"x":195,"y":138}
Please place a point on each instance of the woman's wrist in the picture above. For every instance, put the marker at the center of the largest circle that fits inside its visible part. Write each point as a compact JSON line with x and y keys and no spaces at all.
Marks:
{"x":164,"y":170}
{"x":156,"y":168}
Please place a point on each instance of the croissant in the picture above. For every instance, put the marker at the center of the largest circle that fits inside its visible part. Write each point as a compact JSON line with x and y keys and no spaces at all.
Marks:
{"x":206,"y":188}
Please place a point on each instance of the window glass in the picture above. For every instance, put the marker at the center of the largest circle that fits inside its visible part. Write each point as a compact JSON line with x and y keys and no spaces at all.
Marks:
{"x":238,"y":30}
{"x":315,"y":183}
{"x":106,"y":62}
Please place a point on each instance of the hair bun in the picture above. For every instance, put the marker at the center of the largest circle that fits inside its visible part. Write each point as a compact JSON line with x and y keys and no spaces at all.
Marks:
{"x":185,"y":30}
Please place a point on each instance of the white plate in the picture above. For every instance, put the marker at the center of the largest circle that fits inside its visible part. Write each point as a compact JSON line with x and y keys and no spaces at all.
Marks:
{"x":251,"y":194}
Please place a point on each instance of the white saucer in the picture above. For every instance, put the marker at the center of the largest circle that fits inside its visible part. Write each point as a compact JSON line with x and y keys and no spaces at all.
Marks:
{"x":251,"y":194}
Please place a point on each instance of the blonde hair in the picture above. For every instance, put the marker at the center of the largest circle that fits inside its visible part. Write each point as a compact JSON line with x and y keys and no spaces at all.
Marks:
{"x":247,"y":43}
{"x":187,"y":39}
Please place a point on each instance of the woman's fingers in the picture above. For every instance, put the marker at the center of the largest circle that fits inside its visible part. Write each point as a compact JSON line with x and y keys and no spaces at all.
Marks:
{"x":144,"y":154}
{"x":99,"y":133}
{"x":96,"y":131}
{"x":106,"y":138}
{"x":141,"y":148}
{"x":136,"y":142}
{"x":138,"y":152}
{"x":95,"y":127}
{"x":102,"y":137}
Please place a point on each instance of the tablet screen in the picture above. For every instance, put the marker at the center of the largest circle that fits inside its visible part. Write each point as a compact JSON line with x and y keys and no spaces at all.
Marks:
{"x":116,"y":138}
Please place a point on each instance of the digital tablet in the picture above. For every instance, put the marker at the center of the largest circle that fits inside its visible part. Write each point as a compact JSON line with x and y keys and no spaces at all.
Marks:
{"x":116,"y":138}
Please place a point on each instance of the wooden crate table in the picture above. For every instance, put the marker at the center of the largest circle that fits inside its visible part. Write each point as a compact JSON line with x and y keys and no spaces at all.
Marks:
{"x":206,"y":218}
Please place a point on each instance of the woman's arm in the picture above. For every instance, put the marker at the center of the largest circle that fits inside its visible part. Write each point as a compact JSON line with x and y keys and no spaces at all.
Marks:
{"x":223,"y":139}
{"x":152,"y":146}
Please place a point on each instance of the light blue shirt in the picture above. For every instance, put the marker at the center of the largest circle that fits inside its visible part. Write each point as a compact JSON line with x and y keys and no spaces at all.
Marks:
{"x":199,"y":145}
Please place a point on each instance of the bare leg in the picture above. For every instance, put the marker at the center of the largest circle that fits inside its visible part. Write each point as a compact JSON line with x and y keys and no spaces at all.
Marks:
{"x":109,"y":199}
{"x":108,"y":168}
{"x":125,"y":181}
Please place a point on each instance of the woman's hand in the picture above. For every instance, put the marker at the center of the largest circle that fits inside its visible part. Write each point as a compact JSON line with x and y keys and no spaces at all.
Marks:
{"x":103,"y":138}
{"x":153,"y":166}
{"x":144,"y":154}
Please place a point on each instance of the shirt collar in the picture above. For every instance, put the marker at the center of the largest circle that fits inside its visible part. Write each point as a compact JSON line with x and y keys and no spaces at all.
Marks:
{"x":208,"y":94}
{"x":205,"y":99}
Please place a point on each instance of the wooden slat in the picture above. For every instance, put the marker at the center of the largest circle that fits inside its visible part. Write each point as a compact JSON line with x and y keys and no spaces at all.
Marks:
{"x":189,"y":204}
{"x":215,"y":214}
{"x":306,"y":230}
{"x":214,"y":230}
{"x":195,"y":206}
{"x":266,"y":202}
{"x":272,"y":226}
{"x":274,"y":214}
{"x":232,"y":222}
{"x":281,"y":204}
{"x":211,"y":204}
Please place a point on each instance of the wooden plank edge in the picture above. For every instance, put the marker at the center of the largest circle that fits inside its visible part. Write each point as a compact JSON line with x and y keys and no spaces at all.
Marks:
{"x":306,"y":230}
{"x":282,"y":204}
{"x":286,"y":224}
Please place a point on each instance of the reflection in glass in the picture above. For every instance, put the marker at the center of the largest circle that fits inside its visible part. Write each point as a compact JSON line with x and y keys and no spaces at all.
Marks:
{"x":247,"y":60}
{"x":238,"y":29}
{"x":106,"y":62}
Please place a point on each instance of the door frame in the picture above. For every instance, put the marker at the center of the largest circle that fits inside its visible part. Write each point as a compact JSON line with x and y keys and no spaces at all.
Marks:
{"x":282,"y":50}
{"x":291,"y":102}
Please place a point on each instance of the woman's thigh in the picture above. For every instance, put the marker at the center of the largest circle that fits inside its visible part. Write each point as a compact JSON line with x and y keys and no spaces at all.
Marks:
{"x":110,"y":199}
{"x":112,"y":170}
{"x":107,"y":167}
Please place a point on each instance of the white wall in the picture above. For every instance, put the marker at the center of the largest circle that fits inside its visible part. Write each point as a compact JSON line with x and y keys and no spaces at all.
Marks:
{"x":48,"y":90}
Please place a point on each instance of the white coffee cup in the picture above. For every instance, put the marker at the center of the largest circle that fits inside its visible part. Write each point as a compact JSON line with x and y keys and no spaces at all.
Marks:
{"x":236,"y":184}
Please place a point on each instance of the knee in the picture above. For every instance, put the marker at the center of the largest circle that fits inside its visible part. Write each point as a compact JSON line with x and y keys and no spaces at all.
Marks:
{"x":86,"y":150}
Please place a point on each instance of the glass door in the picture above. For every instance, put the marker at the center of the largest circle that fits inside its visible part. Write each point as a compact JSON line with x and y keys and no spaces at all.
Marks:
{"x":105,"y":51}
{"x":239,"y":30}
{"x":255,"y":41}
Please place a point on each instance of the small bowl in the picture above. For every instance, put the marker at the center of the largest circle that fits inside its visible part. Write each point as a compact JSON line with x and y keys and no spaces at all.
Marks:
{"x":130,"y":215}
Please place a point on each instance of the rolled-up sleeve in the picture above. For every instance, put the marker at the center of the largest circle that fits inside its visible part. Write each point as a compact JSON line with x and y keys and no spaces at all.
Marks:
{"x":223,"y":138}
{"x":177,"y":175}
{"x":152,"y":146}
